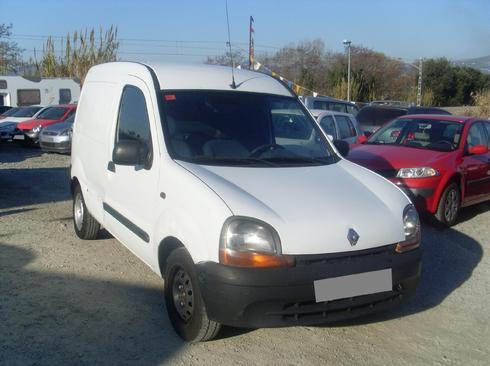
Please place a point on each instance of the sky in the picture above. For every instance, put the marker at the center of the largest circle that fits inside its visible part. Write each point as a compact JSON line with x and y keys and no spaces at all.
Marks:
{"x":189,"y":30}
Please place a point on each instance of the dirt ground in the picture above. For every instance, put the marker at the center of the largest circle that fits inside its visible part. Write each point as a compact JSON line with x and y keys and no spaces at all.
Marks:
{"x":64,"y":301}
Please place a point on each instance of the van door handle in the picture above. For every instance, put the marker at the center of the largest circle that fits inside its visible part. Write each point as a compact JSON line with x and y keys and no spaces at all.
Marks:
{"x":111,"y":167}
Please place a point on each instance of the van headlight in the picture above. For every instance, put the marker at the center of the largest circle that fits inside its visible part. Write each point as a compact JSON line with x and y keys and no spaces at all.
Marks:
{"x":247,"y":242}
{"x":411,"y":226}
{"x":419,"y":172}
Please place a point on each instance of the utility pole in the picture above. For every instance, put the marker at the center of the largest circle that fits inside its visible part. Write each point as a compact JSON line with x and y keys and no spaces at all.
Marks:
{"x":251,"y":32}
{"x":419,"y":84}
{"x":347,"y":43}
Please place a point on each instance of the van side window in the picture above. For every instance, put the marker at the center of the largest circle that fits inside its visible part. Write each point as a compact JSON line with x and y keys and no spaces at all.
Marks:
{"x":133,"y":122}
{"x":65,"y":96}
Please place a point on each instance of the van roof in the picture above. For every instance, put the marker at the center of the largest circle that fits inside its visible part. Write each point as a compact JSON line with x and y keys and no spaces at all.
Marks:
{"x":182,"y":76}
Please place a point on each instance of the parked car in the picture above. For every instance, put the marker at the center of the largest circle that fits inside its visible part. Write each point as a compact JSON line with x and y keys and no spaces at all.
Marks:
{"x":4,"y":108}
{"x":7,"y":130}
{"x":340,"y":126}
{"x":28,"y":131}
{"x":441,"y":162}
{"x":248,"y":228}
{"x":23,"y":114}
{"x":57,"y":137}
{"x":8,"y":113}
{"x":330,"y":104}
{"x":372,"y":117}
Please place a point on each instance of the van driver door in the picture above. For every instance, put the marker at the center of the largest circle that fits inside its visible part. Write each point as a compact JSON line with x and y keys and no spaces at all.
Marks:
{"x":130,"y":201}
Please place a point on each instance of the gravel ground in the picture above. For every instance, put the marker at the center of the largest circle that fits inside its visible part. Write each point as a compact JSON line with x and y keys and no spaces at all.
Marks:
{"x":67,"y":301}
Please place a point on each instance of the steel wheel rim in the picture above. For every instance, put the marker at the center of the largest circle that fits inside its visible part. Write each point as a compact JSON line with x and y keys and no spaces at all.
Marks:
{"x":78,"y":211}
{"x":451,"y":206}
{"x":183,"y":294}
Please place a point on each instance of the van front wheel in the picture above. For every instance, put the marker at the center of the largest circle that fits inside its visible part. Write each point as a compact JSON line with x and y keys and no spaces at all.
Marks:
{"x":86,"y":227}
{"x":183,"y":299}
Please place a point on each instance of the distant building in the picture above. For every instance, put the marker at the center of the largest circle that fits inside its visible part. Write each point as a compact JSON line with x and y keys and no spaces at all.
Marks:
{"x":17,"y":91}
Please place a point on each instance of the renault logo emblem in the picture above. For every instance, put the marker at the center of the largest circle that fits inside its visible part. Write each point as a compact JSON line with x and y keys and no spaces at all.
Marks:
{"x":353,"y":237}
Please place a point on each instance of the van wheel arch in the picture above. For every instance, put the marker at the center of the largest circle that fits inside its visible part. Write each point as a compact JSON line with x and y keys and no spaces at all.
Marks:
{"x":166,"y":247}
{"x":74,"y":183}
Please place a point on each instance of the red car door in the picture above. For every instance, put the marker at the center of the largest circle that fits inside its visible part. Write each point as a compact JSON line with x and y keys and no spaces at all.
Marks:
{"x":475,"y":167}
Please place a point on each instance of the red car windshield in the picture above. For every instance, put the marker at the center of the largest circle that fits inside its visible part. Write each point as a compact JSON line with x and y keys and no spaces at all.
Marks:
{"x":52,"y":113}
{"x":428,"y":134}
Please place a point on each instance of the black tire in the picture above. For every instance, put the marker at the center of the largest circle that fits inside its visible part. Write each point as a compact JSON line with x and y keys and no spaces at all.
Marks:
{"x":86,"y":227}
{"x":194,"y":325}
{"x":449,"y":205}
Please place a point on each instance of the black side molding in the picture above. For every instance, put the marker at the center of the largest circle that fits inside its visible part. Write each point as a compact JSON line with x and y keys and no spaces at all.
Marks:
{"x":143,"y":235}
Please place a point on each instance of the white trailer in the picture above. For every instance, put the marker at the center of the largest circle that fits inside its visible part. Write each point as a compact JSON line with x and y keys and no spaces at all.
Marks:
{"x":17,"y":91}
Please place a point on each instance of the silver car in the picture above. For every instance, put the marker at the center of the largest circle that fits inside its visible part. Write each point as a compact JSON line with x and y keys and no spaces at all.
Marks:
{"x":57,"y":137}
{"x":340,"y":126}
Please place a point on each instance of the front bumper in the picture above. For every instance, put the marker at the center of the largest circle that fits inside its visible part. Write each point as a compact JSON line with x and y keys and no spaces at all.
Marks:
{"x":420,"y":191}
{"x":58,"y":143}
{"x":275,"y":297}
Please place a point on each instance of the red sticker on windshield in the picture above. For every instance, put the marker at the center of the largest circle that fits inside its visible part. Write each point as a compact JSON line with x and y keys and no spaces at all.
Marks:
{"x":170,"y":97}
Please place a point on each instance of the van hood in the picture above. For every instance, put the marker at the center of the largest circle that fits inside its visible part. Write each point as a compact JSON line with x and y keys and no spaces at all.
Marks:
{"x":312,"y":208}
{"x":30,"y":124}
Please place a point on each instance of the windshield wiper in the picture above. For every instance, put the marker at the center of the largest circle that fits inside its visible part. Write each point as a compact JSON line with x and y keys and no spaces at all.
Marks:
{"x":226,"y":160}
{"x":300,"y":159}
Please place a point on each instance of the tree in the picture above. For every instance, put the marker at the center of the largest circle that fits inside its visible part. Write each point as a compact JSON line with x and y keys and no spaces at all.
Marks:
{"x":10,"y":52}
{"x":79,"y":53}
{"x":453,"y":85}
{"x":225,"y":60}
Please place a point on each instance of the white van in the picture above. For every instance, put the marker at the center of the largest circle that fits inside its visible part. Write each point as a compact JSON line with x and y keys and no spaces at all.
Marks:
{"x":253,"y":218}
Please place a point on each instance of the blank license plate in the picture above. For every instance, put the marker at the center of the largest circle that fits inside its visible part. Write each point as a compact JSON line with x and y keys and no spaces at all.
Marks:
{"x":353,"y":285}
{"x":47,"y":139}
{"x":19,"y":137}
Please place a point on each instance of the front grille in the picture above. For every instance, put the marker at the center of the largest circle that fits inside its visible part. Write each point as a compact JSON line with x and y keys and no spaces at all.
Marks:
{"x":338,"y":309}
{"x":344,"y":257}
{"x":50,"y":133}
{"x":60,"y":145}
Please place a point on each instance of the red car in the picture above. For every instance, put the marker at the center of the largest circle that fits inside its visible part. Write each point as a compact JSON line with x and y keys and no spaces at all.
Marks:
{"x":441,"y":162}
{"x":28,"y":131}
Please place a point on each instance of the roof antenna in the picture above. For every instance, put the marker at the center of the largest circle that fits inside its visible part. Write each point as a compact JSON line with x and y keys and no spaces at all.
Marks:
{"x":233,"y":85}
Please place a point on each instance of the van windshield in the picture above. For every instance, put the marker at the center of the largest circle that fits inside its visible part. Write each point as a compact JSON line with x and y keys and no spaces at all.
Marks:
{"x":242,"y":129}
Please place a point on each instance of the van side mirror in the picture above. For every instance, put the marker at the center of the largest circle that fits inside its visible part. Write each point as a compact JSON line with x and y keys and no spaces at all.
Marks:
{"x":478,"y":150}
{"x":342,"y":147}
{"x":129,"y":152}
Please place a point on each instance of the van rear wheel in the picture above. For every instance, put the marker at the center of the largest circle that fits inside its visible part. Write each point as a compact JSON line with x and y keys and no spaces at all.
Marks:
{"x":183,"y":299}
{"x":86,"y":227}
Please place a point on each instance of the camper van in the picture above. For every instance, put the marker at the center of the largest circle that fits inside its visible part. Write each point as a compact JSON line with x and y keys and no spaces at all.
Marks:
{"x":18,"y":91}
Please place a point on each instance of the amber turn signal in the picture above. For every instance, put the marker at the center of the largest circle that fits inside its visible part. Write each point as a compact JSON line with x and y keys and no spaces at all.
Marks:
{"x":254,"y":259}
{"x":407,"y":246}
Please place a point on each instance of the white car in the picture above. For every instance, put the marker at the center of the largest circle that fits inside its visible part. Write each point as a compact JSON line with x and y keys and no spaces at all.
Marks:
{"x":250,"y":225}
{"x":342,"y":126}
{"x":23,"y":114}
{"x":9,"y":123}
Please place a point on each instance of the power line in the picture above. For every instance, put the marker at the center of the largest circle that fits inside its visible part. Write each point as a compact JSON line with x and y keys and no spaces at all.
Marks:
{"x":37,"y":37}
